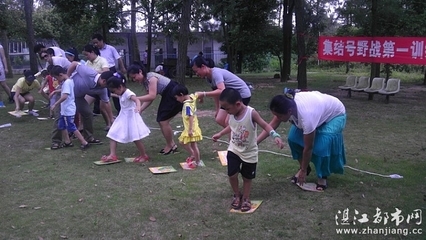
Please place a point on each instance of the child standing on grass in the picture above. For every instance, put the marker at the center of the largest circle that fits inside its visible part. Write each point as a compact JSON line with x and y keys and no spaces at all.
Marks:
{"x":192,"y":132}
{"x":68,"y":108}
{"x":128,"y":126}
{"x":242,"y":151}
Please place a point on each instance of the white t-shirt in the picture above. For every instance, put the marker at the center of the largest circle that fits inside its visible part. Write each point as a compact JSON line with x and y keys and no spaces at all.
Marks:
{"x":314,"y":109}
{"x":59,"y":52}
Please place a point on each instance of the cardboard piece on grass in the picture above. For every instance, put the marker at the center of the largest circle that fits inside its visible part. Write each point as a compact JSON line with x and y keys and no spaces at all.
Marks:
{"x":311,"y":187}
{"x":184,"y":165}
{"x":254,"y":205}
{"x":222,"y":157}
{"x":162,"y":169}
{"x":42,"y":118}
{"x":18,"y":113}
{"x":100,"y":163}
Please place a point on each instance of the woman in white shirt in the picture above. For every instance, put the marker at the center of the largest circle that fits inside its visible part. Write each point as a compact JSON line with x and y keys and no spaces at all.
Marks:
{"x":315,"y":135}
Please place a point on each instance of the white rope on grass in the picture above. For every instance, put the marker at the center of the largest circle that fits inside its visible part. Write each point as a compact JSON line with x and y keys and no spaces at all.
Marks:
{"x":393,"y":176}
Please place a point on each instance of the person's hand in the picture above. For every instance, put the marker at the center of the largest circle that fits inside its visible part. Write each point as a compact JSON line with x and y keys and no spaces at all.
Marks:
{"x":279,"y":142}
{"x":301,"y":179}
{"x":53,"y":107}
{"x":5,"y":70}
{"x":137,"y":110}
{"x":190,"y":133}
{"x":216,"y":137}
{"x":200,"y":96}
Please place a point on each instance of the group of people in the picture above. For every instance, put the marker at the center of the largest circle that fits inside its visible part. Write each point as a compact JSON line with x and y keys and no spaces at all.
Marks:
{"x":317,"y":119}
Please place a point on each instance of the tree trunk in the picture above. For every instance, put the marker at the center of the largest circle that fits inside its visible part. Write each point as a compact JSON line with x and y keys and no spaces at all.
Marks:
{"x":375,"y":67}
{"x":240,"y":56}
{"x":28,"y":8}
{"x":183,"y":40}
{"x":302,"y":81}
{"x":149,"y":40}
{"x":5,"y":40}
{"x":287,"y":34}
{"x":133,"y":48}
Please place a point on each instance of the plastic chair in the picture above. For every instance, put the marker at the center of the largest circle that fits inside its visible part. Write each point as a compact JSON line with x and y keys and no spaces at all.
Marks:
{"x":351,"y":81}
{"x":376,"y":85}
{"x":392,"y":87}
{"x":363,"y":83}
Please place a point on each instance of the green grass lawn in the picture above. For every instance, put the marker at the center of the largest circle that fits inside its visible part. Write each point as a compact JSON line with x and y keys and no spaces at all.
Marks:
{"x":61,"y":194}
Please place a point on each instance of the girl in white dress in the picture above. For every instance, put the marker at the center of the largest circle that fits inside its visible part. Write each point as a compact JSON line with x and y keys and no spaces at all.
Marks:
{"x":128,"y":126}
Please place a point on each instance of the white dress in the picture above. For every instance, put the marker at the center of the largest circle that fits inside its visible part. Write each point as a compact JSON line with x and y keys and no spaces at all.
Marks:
{"x":128,"y":126}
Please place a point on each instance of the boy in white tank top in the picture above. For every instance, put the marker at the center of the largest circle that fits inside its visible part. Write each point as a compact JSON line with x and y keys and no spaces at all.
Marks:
{"x":242,"y":151}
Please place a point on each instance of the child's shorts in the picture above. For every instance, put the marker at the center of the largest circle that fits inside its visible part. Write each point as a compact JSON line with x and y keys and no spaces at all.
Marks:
{"x":247,"y":170}
{"x":67,"y":122}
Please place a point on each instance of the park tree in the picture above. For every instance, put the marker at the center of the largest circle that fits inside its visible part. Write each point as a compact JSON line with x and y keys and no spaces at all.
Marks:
{"x":12,"y":25}
{"x":28,"y":9}
{"x":302,"y":81}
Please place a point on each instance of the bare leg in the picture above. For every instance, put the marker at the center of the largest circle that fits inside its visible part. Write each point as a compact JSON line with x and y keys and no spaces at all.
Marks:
{"x":140,"y":147}
{"x":106,"y":112}
{"x":5,"y":88}
{"x":188,"y":148}
{"x":31,"y":101}
{"x":65,"y":136}
{"x":167,"y":131}
{"x":80,"y":137}
{"x":233,"y":180}
{"x":112,"y":148}
{"x":196,"y":152}
{"x":246,"y":188}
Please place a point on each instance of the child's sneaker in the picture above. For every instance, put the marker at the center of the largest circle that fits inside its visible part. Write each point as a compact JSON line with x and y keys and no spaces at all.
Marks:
{"x":2,"y":104}
{"x":33,"y":113}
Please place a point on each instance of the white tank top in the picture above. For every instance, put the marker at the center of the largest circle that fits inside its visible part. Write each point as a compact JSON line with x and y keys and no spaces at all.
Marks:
{"x":244,"y":137}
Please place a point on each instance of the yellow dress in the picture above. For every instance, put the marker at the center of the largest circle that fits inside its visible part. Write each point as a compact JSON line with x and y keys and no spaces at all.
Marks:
{"x":189,"y":109}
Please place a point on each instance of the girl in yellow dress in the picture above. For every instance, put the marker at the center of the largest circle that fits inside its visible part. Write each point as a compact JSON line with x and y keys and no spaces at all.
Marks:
{"x":192,"y":132}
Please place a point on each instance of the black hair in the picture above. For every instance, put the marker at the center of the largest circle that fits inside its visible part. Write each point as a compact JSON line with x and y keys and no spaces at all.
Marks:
{"x":98,"y":36}
{"x":282,"y":103}
{"x":230,"y":96}
{"x":200,"y":60}
{"x":116,"y":82}
{"x":106,"y":75}
{"x":50,"y":51}
{"x":90,"y":48}
{"x":135,"y":68}
{"x":49,"y":69}
{"x":57,"y":70}
{"x":38,"y":47}
{"x":74,"y":52}
{"x":180,"y":90}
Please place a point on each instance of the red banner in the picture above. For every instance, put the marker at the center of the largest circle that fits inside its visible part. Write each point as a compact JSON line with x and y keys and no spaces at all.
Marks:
{"x":399,"y":50}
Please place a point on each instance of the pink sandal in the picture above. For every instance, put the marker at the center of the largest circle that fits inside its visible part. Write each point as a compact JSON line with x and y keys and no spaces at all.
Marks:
{"x":141,"y":159}
{"x":108,"y":158}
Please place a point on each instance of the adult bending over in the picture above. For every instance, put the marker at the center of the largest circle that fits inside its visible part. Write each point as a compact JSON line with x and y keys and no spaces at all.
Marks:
{"x":88,"y":81}
{"x":219,"y":79}
{"x":315,"y":135}
{"x":156,"y":84}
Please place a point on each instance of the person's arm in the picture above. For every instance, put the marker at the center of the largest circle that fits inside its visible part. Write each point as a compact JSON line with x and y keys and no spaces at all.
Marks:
{"x":191,"y":125}
{"x":266,"y":127}
{"x":72,"y":68}
{"x":138,"y":103}
{"x":224,"y":131}
{"x":64,"y":97}
{"x":121,"y":65}
{"x":145,"y":105}
{"x":213,"y":94}
{"x":308,"y":141}
{"x":3,"y":59}
{"x":275,"y":123}
{"x":152,"y":91}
